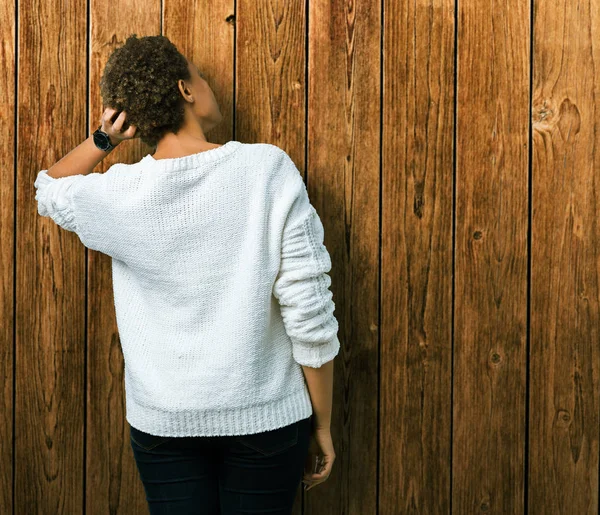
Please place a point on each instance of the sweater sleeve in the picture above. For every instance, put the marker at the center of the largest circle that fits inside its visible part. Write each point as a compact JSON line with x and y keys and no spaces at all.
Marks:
{"x":55,"y":198}
{"x":302,"y":284}
{"x":77,"y":203}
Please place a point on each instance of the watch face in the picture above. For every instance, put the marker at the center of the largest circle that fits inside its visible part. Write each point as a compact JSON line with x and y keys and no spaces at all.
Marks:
{"x":101,"y":141}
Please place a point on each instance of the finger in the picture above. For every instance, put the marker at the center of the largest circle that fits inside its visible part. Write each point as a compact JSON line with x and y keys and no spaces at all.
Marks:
{"x":108,"y":113}
{"x":312,"y":485}
{"x":315,"y":465}
{"x":317,"y":476}
{"x":311,"y":463}
{"x":322,"y":474}
{"x":118,"y":125}
{"x":130,"y":132}
{"x":308,"y":483}
{"x":325,"y":463}
{"x":308,"y":486}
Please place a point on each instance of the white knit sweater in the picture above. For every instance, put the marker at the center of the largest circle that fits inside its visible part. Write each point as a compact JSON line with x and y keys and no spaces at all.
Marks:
{"x":220,"y":284}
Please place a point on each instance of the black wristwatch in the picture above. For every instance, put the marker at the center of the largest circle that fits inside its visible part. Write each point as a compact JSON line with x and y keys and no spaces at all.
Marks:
{"x":102,"y":140}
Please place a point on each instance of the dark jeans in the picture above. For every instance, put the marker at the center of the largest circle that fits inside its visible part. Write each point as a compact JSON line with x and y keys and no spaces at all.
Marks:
{"x":226,"y":475}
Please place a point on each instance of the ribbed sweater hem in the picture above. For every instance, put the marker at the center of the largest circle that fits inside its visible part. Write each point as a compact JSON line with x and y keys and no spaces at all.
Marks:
{"x":224,"y":422}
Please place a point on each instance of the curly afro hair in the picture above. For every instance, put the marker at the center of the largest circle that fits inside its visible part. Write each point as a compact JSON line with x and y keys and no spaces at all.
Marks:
{"x":140,"y":77}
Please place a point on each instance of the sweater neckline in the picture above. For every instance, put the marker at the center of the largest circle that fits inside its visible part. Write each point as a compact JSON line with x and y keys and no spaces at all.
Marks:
{"x":172,"y":164}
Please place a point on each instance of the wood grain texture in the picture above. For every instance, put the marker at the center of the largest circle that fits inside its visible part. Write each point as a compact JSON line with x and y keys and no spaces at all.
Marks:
{"x":491,"y":258}
{"x":205,"y":33}
{"x":565,"y":260}
{"x":416,"y":258}
{"x":50,"y":275}
{"x":8,"y":264}
{"x":270,"y":75}
{"x":465,"y":260}
{"x":343,"y":182}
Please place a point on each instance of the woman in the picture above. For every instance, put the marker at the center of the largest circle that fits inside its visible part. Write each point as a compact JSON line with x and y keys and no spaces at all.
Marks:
{"x":221,"y":291}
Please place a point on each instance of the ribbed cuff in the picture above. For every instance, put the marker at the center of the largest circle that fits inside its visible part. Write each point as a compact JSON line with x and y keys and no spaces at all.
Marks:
{"x":316,"y":355}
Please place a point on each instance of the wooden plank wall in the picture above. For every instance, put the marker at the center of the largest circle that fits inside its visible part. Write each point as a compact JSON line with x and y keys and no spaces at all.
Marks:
{"x":451,"y":150}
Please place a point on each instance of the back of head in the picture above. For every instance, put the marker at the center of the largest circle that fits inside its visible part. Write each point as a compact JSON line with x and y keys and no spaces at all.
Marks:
{"x":140,"y":77}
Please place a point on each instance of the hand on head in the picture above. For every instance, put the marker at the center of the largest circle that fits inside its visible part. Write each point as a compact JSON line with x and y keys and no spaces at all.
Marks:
{"x":117,"y":129}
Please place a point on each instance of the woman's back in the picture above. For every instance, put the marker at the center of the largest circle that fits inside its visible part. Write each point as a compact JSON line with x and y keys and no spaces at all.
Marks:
{"x":220,"y":284}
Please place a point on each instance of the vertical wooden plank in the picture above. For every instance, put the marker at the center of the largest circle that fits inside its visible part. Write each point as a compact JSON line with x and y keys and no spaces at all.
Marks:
{"x":205,"y":32}
{"x":565,"y":315}
{"x":113,"y":484}
{"x":344,"y":70}
{"x":7,"y":249}
{"x":50,"y":277}
{"x":491,"y":257}
{"x":416,"y":253}
{"x":270,"y":75}
{"x":270,"y":84}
